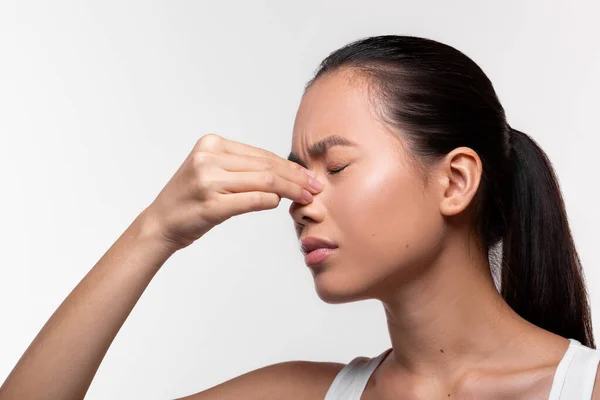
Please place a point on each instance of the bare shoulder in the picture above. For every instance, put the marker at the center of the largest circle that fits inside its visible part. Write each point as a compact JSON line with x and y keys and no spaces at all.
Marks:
{"x":295,"y":380}
{"x":596,"y":392}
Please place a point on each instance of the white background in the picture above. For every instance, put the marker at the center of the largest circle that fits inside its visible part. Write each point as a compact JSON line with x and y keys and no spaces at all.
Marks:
{"x":100,"y":102}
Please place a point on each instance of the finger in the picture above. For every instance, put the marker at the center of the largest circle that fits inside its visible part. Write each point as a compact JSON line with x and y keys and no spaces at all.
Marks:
{"x":262,"y":181}
{"x":233,"y":147}
{"x":229,"y":205}
{"x":236,"y":163}
{"x":213,"y":143}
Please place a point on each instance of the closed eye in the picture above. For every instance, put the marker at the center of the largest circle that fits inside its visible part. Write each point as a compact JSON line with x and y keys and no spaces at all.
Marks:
{"x":336,"y":171}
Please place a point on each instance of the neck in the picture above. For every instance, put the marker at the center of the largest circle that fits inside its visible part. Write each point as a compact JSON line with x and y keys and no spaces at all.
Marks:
{"x":450,"y":316}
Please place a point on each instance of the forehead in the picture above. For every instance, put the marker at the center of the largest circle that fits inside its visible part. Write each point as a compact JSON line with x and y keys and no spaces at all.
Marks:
{"x":335,"y":104}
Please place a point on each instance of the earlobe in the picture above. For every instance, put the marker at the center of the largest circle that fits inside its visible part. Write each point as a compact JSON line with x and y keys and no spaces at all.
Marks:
{"x":461,"y":169}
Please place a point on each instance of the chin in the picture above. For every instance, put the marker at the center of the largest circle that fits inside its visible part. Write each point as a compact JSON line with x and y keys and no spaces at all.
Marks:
{"x":334,"y":289}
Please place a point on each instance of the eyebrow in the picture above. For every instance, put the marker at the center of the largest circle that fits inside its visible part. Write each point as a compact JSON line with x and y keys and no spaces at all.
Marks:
{"x":321,"y":147}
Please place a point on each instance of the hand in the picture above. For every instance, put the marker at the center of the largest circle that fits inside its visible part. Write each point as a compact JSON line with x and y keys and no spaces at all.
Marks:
{"x":221,"y":178}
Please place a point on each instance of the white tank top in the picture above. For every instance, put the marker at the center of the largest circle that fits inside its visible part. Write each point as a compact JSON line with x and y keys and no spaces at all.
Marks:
{"x":573,"y":380}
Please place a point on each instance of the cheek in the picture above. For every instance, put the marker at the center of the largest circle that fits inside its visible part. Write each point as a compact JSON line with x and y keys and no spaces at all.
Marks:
{"x":387,"y":225}
{"x":388,"y":220}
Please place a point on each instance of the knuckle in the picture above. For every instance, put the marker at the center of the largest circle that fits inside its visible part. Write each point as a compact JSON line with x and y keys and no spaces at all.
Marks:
{"x":256,"y":199}
{"x":268,"y":179}
{"x":202,"y":180}
{"x":268,"y":164}
{"x":273,"y":200}
{"x":261,"y":200}
{"x":200,"y":159}
{"x":208,"y":142}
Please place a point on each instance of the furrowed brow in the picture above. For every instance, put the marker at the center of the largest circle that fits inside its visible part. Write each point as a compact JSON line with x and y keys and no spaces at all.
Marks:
{"x":320,"y":148}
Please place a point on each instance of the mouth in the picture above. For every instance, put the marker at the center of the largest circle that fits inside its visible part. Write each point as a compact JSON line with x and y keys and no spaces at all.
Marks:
{"x":317,"y":256}
{"x":316,"y":250}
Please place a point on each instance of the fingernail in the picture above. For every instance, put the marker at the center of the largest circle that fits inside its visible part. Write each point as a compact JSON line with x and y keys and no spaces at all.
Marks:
{"x":306,"y":195}
{"x":315,"y":184}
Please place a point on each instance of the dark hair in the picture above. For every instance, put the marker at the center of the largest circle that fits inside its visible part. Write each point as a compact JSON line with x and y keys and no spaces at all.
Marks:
{"x":441,"y":100}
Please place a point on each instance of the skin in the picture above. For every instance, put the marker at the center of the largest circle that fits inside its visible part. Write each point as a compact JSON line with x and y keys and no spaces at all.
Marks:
{"x":407,"y":241}
{"x":404,"y":238}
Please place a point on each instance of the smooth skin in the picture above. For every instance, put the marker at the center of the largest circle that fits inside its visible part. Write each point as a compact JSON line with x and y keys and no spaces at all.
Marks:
{"x":404,"y":238}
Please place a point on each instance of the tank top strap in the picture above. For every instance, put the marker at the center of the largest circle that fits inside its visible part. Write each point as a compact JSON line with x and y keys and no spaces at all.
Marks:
{"x":576,"y":373}
{"x":351,"y":381}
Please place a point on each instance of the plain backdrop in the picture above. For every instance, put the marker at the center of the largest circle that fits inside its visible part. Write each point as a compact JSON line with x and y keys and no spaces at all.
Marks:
{"x":100,"y":102}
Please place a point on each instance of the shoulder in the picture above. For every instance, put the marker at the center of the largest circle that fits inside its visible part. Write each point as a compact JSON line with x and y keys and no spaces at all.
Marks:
{"x":596,"y":392}
{"x":311,"y":379}
{"x":298,"y":380}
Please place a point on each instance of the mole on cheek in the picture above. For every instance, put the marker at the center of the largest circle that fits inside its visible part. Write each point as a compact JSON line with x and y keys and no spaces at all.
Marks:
{"x":406,"y":245}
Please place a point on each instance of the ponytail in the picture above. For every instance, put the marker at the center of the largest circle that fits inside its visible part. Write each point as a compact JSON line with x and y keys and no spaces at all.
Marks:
{"x":542,"y":278}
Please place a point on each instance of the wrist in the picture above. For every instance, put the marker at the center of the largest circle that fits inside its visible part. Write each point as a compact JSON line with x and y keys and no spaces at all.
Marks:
{"x":148,"y":230}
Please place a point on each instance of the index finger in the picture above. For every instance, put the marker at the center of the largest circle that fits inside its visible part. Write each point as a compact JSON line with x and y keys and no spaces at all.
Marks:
{"x":288,"y":169}
{"x":233,"y":147}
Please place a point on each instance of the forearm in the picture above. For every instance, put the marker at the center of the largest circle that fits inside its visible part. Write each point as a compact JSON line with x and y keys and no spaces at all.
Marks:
{"x":62,"y":360}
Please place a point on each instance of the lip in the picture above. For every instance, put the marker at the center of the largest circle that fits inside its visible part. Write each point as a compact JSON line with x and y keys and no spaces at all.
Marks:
{"x":312,"y":243}
{"x":316,"y":250}
{"x":317,"y":256}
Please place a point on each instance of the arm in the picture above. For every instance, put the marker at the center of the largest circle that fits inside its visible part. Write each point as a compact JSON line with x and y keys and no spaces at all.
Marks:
{"x":63,"y":358}
{"x":298,"y":380}
{"x":218,"y":180}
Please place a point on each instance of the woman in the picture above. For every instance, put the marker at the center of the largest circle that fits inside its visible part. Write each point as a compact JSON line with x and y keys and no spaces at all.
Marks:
{"x":408,"y":186}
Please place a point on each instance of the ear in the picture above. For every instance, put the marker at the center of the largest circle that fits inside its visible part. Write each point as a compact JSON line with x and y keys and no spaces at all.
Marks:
{"x":460,"y":173}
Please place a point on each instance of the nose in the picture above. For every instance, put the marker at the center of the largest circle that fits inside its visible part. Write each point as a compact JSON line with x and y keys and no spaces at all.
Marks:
{"x":304,"y":214}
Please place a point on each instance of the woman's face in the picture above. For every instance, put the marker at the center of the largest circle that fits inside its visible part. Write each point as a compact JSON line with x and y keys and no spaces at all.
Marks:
{"x":378,"y":210}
